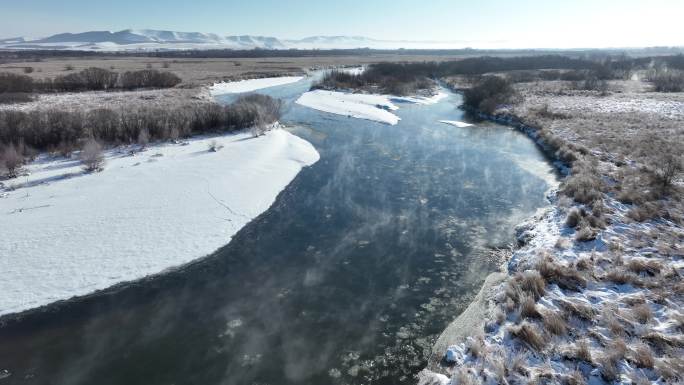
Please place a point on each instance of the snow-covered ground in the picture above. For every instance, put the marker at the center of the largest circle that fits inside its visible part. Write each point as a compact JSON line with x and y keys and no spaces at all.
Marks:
{"x":66,"y":233}
{"x":250,"y":85}
{"x":362,"y":106}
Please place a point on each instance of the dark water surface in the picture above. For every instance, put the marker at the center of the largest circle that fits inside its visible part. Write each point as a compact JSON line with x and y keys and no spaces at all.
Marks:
{"x":348,"y":278}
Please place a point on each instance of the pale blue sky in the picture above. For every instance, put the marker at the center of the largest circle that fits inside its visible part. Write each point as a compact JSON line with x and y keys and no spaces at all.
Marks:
{"x":508,"y":24}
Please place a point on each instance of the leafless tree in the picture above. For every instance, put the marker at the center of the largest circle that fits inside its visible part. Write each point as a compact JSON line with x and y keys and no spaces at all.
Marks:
{"x":91,"y":156}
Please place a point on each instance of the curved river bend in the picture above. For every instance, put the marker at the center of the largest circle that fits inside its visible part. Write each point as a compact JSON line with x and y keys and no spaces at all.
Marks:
{"x":347,"y":279}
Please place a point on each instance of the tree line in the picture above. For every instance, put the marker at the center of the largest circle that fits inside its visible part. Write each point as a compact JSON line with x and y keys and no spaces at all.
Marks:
{"x":14,"y":86}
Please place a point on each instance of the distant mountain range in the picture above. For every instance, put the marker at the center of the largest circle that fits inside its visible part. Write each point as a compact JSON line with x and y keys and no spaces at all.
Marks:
{"x":150,"y":39}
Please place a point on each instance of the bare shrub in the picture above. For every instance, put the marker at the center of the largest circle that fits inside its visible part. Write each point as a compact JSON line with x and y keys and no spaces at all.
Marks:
{"x":585,"y":233}
{"x":214,"y":146}
{"x":13,"y":83}
{"x":488,"y":93}
{"x":148,"y":78}
{"x":99,"y":79}
{"x":574,"y":217}
{"x":670,"y":81}
{"x":68,"y":67}
{"x":91,"y":156}
{"x":11,"y":161}
{"x":528,"y":334}
{"x":15,"y":97}
{"x":28,"y":70}
{"x":143,"y":138}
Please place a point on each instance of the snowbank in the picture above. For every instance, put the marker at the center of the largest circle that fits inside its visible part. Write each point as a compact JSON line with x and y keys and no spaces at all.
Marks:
{"x":65,"y":233}
{"x":362,"y":106}
{"x":250,"y":85}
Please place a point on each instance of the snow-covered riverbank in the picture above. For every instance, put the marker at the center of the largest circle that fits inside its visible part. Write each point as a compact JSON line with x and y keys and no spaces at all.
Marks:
{"x":66,"y":233}
{"x":362,"y":106}
{"x":249,"y":85}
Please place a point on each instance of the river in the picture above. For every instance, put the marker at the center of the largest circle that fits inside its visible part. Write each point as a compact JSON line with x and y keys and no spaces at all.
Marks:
{"x":347,"y":279}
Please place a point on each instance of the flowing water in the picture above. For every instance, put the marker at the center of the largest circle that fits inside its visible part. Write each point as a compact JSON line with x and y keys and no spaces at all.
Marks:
{"x":347,"y":279}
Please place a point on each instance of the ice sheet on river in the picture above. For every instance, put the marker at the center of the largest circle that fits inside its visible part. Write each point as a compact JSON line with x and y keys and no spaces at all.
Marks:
{"x":70,"y":234}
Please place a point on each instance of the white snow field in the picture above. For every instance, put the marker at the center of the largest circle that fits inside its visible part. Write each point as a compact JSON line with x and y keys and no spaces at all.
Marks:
{"x":362,"y":106}
{"x":66,"y":233}
{"x":250,"y":85}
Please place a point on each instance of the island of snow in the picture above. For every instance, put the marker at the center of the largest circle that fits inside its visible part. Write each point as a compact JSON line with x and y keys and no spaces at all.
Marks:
{"x":363,"y":106}
{"x":66,"y":233}
{"x":250,"y":85}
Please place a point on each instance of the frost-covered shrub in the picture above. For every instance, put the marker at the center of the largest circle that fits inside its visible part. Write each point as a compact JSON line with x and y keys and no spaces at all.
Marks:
{"x":91,"y":156}
{"x":10,"y":161}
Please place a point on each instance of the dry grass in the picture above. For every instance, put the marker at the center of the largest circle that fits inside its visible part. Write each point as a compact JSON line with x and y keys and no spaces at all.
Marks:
{"x":528,"y":334}
{"x":554,"y":323}
{"x":662,"y":342}
{"x":611,"y":322}
{"x":642,"y":356}
{"x":475,"y":346}
{"x":582,"y":351}
{"x":622,"y":277}
{"x":577,"y":309}
{"x":584,"y":264}
{"x":642,"y":313}
{"x":528,"y":307}
{"x":647,"y":266}
{"x":614,"y":353}
{"x":529,"y":282}
{"x":671,"y":368}
{"x":464,"y":377}
{"x":566,"y":278}
{"x":574,"y":378}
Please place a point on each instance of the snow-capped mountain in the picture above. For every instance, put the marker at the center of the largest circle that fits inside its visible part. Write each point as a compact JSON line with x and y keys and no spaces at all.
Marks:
{"x":150,"y":39}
